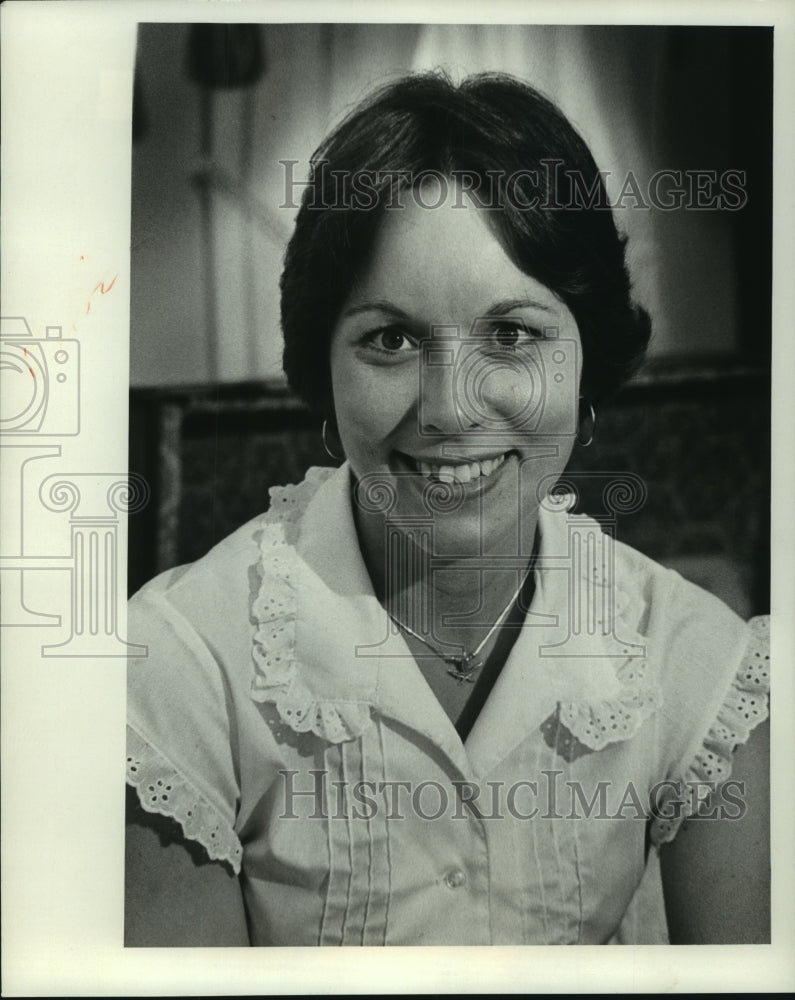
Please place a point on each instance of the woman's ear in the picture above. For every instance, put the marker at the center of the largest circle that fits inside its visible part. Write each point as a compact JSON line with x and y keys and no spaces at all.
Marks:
{"x":586,"y":423}
{"x":331,"y":440}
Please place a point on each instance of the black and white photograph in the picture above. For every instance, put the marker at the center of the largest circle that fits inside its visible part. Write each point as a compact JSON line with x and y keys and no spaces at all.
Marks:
{"x":398,"y":448}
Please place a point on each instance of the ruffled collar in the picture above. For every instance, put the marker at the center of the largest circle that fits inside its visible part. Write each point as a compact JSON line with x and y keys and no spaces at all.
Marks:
{"x":578,"y":671}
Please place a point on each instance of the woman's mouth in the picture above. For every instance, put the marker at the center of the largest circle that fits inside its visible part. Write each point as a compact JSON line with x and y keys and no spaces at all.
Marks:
{"x":457,"y":472}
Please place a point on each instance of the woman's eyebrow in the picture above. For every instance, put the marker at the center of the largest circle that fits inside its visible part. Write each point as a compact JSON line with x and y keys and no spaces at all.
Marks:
{"x":502,"y":308}
{"x":377,"y":305}
{"x":507,"y":306}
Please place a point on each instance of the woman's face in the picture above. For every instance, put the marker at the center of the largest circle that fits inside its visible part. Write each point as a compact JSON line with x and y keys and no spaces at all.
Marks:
{"x":451,"y":365}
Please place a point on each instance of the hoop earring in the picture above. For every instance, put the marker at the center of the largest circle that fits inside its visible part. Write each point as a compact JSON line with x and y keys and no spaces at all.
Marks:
{"x":589,"y":442}
{"x":329,"y":452}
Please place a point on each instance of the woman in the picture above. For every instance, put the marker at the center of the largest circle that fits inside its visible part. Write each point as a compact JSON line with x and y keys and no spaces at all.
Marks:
{"x":419,"y":701}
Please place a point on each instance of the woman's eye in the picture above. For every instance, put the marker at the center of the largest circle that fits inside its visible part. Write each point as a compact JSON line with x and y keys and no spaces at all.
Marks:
{"x":393,"y":341}
{"x":509,"y":336}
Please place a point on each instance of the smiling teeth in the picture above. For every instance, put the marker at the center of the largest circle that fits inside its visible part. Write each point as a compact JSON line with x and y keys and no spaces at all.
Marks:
{"x":463,"y":473}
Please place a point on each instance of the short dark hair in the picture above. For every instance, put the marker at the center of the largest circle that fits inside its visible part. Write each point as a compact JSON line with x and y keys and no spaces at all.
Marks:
{"x":525,"y":163}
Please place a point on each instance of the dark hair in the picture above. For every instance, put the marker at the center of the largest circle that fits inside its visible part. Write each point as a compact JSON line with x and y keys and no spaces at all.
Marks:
{"x":526,"y":164}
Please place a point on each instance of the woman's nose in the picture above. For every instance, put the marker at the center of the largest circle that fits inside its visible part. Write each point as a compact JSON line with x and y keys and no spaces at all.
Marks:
{"x":443,"y":404}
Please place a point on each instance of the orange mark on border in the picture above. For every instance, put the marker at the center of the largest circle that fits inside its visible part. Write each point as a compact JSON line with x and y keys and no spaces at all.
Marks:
{"x":102,"y":288}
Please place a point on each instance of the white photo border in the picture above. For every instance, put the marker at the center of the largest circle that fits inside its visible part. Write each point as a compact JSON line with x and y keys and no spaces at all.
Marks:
{"x":67,"y":70}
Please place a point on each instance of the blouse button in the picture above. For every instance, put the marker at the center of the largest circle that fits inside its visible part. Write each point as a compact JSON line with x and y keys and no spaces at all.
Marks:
{"x":455,"y":878}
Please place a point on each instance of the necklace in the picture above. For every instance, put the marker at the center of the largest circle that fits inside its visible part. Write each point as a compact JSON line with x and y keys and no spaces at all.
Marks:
{"x":464,"y":666}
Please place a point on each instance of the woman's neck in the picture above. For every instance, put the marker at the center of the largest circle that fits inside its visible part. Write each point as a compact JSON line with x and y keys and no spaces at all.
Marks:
{"x":447,"y":598}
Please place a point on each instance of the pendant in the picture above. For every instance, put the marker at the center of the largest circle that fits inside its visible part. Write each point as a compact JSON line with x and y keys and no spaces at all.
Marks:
{"x":464,"y":667}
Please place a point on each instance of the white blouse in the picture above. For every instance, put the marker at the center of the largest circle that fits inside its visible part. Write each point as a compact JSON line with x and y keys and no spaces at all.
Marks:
{"x":281,"y":719}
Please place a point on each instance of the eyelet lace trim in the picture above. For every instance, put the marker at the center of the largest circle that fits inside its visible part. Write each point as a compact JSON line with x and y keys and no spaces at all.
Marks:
{"x":162,"y":789}
{"x":746,"y":705}
{"x":595,"y":724}
{"x":277,"y":676}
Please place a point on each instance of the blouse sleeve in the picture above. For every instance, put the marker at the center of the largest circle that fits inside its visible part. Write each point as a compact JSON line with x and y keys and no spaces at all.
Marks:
{"x":744,"y":706}
{"x":180,"y":751}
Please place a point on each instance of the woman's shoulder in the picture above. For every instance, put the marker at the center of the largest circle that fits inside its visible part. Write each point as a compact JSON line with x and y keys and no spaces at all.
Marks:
{"x":225,"y":572}
{"x":686,"y":629}
{"x":214,"y":600}
{"x":651,"y":599}
{"x":209,"y":587}
{"x":671,"y":599}
{"x":700,"y":648}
